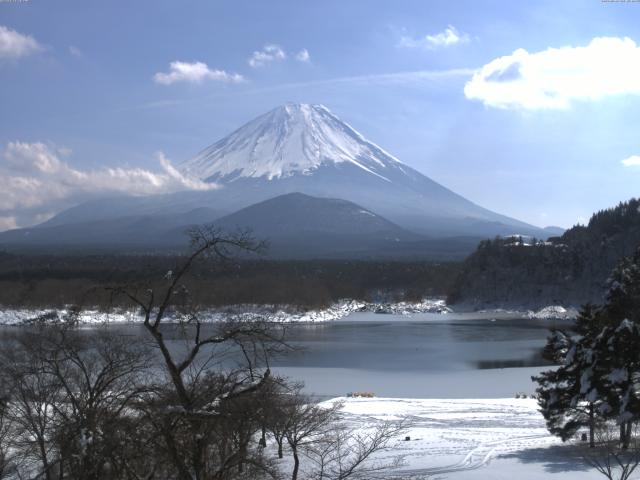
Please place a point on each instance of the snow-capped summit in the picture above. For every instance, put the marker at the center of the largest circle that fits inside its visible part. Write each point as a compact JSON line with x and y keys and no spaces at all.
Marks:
{"x":290,"y":139}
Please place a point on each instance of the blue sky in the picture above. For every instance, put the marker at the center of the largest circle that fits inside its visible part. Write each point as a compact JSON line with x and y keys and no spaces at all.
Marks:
{"x":469,"y":93}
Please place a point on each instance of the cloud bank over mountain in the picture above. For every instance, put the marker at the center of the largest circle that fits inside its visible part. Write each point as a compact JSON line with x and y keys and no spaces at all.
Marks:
{"x":38,"y":182}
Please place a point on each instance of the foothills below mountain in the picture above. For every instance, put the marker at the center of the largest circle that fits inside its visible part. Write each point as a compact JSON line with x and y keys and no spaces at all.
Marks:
{"x":300,"y":178}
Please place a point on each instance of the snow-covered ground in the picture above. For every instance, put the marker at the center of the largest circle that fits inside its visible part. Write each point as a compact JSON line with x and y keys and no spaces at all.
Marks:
{"x":470,"y":439}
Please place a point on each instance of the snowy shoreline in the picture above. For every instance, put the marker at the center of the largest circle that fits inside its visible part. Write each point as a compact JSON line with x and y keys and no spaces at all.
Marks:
{"x":270,"y":313}
{"x":283,"y":314}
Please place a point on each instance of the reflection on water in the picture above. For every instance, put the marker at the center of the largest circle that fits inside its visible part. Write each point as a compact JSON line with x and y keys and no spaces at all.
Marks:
{"x":410,"y":345}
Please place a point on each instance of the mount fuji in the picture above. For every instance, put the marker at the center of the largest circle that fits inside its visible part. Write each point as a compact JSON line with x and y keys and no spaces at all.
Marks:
{"x":306,"y":148}
{"x":293,"y":149}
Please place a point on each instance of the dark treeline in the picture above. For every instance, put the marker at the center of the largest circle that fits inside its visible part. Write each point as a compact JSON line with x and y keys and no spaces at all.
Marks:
{"x":55,"y":280}
{"x":570,"y":269}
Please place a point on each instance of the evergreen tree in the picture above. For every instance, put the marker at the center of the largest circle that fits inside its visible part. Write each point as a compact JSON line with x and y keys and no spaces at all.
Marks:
{"x":621,"y":346}
{"x":570,"y":396}
{"x":622,"y":313}
{"x":599,"y":372}
{"x":623,"y":297}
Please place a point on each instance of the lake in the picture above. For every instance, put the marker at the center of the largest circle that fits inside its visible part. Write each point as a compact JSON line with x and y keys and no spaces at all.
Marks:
{"x":417,"y":356}
{"x":425,"y":355}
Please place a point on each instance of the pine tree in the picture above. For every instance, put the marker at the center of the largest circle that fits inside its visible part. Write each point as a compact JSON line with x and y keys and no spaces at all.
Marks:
{"x":623,"y":297}
{"x":570,"y":397}
{"x":622,"y":313}
{"x":621,"y":345}
{"x":599,"y":372}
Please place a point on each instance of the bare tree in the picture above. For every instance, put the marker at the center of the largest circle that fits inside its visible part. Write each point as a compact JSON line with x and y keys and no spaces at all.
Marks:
{"x":609,"y":457}
{"x":201,"y":415}
{"x":7,"y":453}
{"x":304,"y":423}
{"x":29,"y":406}
{"x":69,"y":400}
{"x":348,"y":453}
{"x":274,"y":404}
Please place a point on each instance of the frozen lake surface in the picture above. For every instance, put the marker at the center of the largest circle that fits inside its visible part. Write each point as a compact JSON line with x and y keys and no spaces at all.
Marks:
{"x":422,"y":356}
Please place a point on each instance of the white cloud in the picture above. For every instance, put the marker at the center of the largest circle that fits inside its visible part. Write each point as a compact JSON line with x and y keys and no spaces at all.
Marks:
{"x":554,"y":78}
{"x":195,"y":72}
{"x":8,"y":223}
{"x":632,"y":161}
{"x":303,"y":56}
{"x":37,"y":183}
{"x":447,"y":38}
{"x":270,"y":53}
{"x":75,"y":51}
{"x":16,"y":45}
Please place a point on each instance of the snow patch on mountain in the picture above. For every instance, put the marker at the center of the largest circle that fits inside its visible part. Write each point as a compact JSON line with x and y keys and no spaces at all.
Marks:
{"x":291,"y":139}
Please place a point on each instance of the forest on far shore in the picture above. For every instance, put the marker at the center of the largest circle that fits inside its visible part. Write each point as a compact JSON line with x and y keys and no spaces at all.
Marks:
{"x":569,"y":270}
{"x":33,"y":281}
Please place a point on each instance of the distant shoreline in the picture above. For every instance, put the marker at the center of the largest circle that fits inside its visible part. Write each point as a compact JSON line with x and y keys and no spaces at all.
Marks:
{"x":279,"y":313}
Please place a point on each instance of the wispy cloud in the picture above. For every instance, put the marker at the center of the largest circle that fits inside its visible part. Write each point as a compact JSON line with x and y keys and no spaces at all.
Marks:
{"x":632,"y":161}
{"x":377,"y":79}
{"x":556,"y":77}
{"x":16,"y":45}
{"x":447,"y":38}
{"x":75,"y":51}
{"x":303,"y":56}
{"x":269,"y":54}
{"x":397,"y":78}
{"x":37,"y":182}
{"x":195,"y":72}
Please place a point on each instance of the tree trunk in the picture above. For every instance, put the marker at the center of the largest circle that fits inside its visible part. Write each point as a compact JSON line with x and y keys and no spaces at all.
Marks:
{"x":296,"y":463}
{"x":622,"y":433}
{"x":46,"y":468}
{"x":279,"y":440}
{"x":592,"y":426}
{"x":627,"y":436}
{"x":263,"y":438}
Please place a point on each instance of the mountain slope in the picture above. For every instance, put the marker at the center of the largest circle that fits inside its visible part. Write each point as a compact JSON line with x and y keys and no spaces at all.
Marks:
{"x":135,"y":231}
{"x":297,"y":214}
{"x":300,"y":226}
